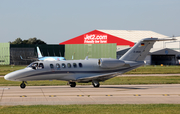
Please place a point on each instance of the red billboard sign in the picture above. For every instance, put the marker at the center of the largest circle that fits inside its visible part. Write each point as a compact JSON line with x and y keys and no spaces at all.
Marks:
{"x":98,"y":37}
{"x":95,"y":38}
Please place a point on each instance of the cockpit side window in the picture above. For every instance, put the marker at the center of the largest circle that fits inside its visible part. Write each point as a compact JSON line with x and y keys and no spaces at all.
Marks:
{"x":35,"y":66}
{"x":41,"y":66}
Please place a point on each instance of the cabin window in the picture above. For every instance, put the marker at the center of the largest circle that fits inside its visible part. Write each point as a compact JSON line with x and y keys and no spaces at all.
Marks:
{"x":51,"y":66}
{"x":80,"y":65}
{"x":69,"y":65}
{"x":63,"y":65}
{"x":74,"y":65}
{"x":57,"y":65}
{"x":41,"y":66}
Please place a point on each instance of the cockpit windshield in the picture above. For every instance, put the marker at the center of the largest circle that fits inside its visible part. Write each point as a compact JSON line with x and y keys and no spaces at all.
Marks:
{"x":36,"y":66}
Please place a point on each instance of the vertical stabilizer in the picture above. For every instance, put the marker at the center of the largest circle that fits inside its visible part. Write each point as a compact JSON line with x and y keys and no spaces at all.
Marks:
{"x":141,"y":49}
{"x":39,"y":53}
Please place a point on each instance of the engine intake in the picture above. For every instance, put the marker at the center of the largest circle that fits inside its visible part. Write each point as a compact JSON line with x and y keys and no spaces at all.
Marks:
{"x":110,"y":63}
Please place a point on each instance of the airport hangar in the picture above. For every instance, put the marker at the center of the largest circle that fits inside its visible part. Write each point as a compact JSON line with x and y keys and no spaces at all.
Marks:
{"x":114,"y":43}
{"x":10,"y":53}
{"x":95,"y":44}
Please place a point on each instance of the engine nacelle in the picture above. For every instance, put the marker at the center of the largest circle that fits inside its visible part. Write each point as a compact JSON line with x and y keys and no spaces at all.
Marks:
{"x":110,"y":63}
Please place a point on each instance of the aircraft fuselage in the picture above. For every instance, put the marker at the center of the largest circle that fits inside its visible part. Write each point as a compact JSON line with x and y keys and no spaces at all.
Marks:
{"x":69,"y":70}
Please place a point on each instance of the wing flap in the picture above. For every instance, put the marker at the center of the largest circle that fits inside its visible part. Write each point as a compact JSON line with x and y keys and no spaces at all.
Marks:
{"x":101,"y":77}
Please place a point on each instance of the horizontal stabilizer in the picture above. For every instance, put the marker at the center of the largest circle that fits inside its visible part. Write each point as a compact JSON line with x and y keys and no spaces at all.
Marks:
{"x":156,"y":39}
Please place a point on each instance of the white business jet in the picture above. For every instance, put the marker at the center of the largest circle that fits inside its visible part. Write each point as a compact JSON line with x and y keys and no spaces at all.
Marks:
{"x":46,"y":58}
{"x":88,"y":70}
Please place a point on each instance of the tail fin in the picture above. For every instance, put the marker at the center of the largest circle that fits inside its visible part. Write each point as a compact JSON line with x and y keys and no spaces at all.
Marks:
{"x":141,"y":49}
{"x":39,"y":53}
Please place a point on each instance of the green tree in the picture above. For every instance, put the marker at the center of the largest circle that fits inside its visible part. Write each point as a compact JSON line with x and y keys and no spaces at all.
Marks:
{"x":29,"y":41}
{"x":17,"y":41}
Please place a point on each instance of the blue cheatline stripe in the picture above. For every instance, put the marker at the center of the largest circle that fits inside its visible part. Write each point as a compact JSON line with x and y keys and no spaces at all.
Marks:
{"x":61,"y":72}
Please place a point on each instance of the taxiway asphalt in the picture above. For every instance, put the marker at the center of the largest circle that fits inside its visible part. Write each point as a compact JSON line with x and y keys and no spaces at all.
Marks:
{"x":87,"y":94}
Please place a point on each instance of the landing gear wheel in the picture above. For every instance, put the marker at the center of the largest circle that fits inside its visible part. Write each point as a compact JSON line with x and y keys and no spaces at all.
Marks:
{"x":95,"y":83}
{"x":23,"y":85}
{"x":72,"y":84}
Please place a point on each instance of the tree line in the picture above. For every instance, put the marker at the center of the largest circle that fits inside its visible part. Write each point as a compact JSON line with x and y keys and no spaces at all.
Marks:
{"x":29,"y":41}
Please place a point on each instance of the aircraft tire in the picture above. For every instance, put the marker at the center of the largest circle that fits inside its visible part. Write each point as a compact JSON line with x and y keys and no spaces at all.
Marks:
{"x":23,"y":85}
{"x":96,"y":85}
{"x":72,"y":84}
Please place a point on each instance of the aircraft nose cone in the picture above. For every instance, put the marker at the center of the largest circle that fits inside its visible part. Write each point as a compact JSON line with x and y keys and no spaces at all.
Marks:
{"x":8,"y":76}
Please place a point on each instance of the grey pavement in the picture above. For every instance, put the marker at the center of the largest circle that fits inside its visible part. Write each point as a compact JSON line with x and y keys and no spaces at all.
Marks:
{"x":87,"y":94}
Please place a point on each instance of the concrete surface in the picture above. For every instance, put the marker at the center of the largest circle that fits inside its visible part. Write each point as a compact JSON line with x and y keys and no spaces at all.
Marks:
{"x":87,"y":94}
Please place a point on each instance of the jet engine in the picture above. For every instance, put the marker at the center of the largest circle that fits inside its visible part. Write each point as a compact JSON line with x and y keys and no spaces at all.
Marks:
{"x":110,"y":63}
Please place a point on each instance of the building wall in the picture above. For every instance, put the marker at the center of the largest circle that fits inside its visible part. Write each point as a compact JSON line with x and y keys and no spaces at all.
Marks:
{"x":10,"y":53}
{"x":52,"y":50}
{"x":80,"y":51}
{"x":29,"y":52}
{"x":26,"y":53}
{"x":4,"y":53}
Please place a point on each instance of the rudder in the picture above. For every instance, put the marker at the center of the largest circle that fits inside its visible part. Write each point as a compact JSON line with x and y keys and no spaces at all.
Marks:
{"x":140,"y":50}
{"x":39,"y":53}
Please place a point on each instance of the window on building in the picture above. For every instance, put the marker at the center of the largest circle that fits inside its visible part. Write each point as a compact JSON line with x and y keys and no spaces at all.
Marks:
{"x":2,"y":60}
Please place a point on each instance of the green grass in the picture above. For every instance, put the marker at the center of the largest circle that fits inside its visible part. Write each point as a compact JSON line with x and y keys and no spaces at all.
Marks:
{"x":113,"y":81}
{"x":141,"y":70}
{"x":5,"y":69}
{"x":93,"y":109}
{"x":143,"y":80}
{"x":150,"y":69}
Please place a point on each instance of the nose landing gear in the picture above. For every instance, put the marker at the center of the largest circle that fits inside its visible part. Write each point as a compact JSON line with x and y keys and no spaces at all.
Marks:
{"x":95,"y":83}
{"x":72,"y":84}
{"x":23,"y":85}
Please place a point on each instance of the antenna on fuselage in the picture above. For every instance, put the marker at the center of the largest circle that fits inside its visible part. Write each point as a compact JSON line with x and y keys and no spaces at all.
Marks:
{"x":86,"y":58}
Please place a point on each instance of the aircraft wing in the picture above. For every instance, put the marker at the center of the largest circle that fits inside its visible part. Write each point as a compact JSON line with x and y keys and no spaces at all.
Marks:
{"x":29,"y":58}
{"x":102,"y":77}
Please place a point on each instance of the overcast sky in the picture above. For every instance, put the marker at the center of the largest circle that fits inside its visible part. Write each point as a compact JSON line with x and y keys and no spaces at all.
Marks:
{"x":55,"y":21}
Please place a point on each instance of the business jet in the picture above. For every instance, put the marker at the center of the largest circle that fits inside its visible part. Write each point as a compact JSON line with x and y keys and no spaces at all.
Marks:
{"x":84,"y":71}
{"x":45,"y":58}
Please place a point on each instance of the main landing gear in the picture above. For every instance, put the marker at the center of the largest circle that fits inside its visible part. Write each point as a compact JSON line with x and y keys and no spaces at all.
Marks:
{"x":95,"y":83}
{"x":23,"y":85}
{"x":72,"y":84}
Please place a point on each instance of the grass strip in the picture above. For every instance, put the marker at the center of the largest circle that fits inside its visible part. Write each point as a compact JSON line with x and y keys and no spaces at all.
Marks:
{"x":5,"y":69}
{"x":129,"y":80}
{"x":150,"y":69}
{"x":93,"y":109}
